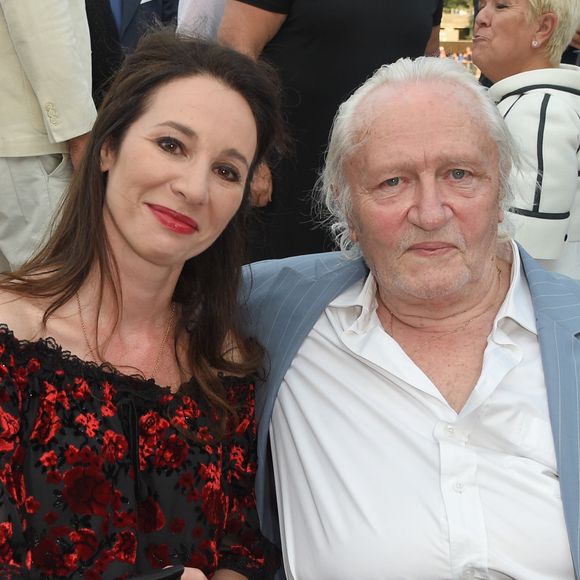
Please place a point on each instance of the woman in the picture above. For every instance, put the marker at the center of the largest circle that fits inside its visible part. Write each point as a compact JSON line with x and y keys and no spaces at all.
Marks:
{"x":126,"y":401}
{"x":323,"y":51}
{"x":518,"y":44}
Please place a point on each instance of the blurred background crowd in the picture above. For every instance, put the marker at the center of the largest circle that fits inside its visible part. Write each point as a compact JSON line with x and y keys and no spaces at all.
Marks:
{"x":56,"y":57}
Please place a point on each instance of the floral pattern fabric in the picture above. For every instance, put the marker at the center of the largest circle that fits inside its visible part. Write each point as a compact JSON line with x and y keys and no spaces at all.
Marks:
{"x":103,"y":475}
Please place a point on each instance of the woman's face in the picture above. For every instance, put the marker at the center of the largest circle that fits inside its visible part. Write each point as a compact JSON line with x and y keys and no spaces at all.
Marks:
{"x":178,"y":175}
{"x":502,"y":38}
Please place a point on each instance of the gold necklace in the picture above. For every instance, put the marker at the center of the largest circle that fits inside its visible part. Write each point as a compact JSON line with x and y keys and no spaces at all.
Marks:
{"x":161,"y":347}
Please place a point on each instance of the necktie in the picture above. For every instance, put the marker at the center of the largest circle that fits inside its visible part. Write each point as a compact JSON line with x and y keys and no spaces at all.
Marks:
{"x":117,"y":10}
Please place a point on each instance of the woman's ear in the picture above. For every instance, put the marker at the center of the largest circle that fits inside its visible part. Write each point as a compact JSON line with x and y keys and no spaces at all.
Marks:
{"x":107,"y":157}
{"x":546,"y":26}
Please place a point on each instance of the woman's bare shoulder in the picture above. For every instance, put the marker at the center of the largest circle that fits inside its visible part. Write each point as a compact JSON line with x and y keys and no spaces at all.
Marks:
{"x":22,"y":315}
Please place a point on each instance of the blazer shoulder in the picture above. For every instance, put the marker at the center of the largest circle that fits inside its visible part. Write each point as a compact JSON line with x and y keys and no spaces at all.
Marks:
{"x":310,"y":266}
{"x":267,"y":279}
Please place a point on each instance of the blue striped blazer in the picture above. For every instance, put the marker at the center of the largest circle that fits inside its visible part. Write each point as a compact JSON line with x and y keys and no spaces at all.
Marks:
{"x":284,"y":299}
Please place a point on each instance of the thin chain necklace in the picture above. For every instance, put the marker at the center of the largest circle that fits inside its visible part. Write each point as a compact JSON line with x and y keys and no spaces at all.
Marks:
{"x":161,"y":347}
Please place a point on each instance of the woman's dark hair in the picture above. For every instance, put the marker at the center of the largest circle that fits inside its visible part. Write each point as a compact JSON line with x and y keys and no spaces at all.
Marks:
{"x":207,"y":289}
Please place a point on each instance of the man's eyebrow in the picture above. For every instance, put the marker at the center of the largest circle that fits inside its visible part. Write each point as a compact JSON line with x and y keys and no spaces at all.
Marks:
{"x":179,"y":127}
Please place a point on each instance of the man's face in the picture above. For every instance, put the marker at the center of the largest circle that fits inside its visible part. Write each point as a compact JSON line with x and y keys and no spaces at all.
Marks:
{"x":424,"y":187}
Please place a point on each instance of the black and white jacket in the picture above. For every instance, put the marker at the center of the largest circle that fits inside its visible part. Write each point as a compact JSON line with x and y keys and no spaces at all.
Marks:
{"x":542,"y":110}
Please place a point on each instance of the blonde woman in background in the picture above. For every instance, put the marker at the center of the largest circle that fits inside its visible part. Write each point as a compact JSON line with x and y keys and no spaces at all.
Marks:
{"x":518,"y":44}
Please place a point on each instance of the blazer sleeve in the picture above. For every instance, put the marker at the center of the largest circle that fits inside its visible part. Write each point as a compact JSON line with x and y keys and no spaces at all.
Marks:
{"x":547,"y":130}
{"x":52,"y":42}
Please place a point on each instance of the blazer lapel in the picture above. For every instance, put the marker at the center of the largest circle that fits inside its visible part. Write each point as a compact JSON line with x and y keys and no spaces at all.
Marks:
{"x":285,"y":318}
{"x":129,"y":9}
{"x":557,"y":306}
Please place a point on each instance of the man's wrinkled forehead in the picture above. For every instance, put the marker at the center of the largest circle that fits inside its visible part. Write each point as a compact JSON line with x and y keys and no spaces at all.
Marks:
{"x":406,"y":97}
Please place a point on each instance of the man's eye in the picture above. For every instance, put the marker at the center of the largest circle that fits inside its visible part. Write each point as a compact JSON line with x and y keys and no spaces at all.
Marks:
{"x":169,"y":144}
{"x":393,"y":181}
{"x":458,"y":173}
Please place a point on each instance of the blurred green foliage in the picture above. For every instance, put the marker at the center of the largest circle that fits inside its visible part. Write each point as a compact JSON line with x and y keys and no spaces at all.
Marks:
{"x":455,"y":4}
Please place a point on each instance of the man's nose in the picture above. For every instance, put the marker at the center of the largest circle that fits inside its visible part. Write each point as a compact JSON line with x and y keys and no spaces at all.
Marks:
{"x":429,"y":210}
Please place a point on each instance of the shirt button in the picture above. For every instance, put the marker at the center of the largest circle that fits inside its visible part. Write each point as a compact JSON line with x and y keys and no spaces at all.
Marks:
{"x":450,"y":429}
{"x":468,"y":572}
{"x":459,"y":486}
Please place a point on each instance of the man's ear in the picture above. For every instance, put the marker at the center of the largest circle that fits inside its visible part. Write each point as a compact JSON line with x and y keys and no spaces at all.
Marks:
{"x":546,"y":26}
{"x":107,"y":156}
{"x":352,"y":232}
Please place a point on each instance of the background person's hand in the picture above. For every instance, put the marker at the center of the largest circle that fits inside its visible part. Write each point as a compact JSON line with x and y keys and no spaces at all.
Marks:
{"x":261,"y":186}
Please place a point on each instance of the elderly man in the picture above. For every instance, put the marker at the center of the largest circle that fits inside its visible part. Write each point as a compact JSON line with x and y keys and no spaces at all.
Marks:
{"x":420,"y":417}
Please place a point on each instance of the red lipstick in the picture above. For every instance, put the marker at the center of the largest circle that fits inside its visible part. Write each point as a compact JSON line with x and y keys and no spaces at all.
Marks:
{"x":173,"y":220}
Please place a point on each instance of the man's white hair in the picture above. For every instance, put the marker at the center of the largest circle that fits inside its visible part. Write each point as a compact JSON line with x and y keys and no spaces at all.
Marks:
{"x":333,"y":189}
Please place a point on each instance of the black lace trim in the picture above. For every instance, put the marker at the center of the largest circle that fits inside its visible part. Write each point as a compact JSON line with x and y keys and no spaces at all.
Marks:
{"x":53,"y":357}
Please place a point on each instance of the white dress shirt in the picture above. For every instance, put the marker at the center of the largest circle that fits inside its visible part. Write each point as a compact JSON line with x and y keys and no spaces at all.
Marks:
{"x":379,"y":478}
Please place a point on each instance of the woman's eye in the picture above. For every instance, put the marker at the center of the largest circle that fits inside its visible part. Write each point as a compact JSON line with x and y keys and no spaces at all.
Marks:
{"x":228,"y":173}
{"x":458,"y":173}
{"x":169,"y":144}
{"x":393,"y":181}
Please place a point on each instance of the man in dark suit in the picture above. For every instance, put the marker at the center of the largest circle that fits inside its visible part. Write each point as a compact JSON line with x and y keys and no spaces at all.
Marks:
{"x":116,"y":26}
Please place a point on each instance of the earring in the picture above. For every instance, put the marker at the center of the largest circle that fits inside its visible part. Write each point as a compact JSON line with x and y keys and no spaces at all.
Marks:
{"x":535,"y":43}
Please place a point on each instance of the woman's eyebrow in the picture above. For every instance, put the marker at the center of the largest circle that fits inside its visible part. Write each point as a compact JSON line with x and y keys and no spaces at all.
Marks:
{"x":179,"y":127}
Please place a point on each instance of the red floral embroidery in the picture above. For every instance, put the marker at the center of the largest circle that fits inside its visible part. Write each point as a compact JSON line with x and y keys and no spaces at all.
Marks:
{"x":114,"y":446}
{"x":71,"y":454}
{"x":51,"y":560}
{"x":171,"y":453}
{"x":6,"y":554}
{"x":71,"y":495}
{"x":31,"y":504}
{"x":124,"y":519}
{"x":82,"y":390}
{"x":20,"y":376}
{"x":214,"y":503}
{"x":9,"y":427}
{"x":48,"y":422}
{"x":54,"y":477}
{"x":88,"y":457}
{"x":125,"y":548}
{"x":33,"y":365}
{"x":85,"y":541}
{"x":150,"y":516}
{"x":49,"y":459}
{"x":204,"y":434}
{"x":158,"y":555}
{"x":87,"y":491}
{"x":89,"y":422}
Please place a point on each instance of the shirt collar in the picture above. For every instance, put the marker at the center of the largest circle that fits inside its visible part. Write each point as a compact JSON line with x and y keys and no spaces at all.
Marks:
{"x":360,"y":298}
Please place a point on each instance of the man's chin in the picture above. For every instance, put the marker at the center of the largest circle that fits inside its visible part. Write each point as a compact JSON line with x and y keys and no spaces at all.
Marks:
{"x":436,"y":286}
